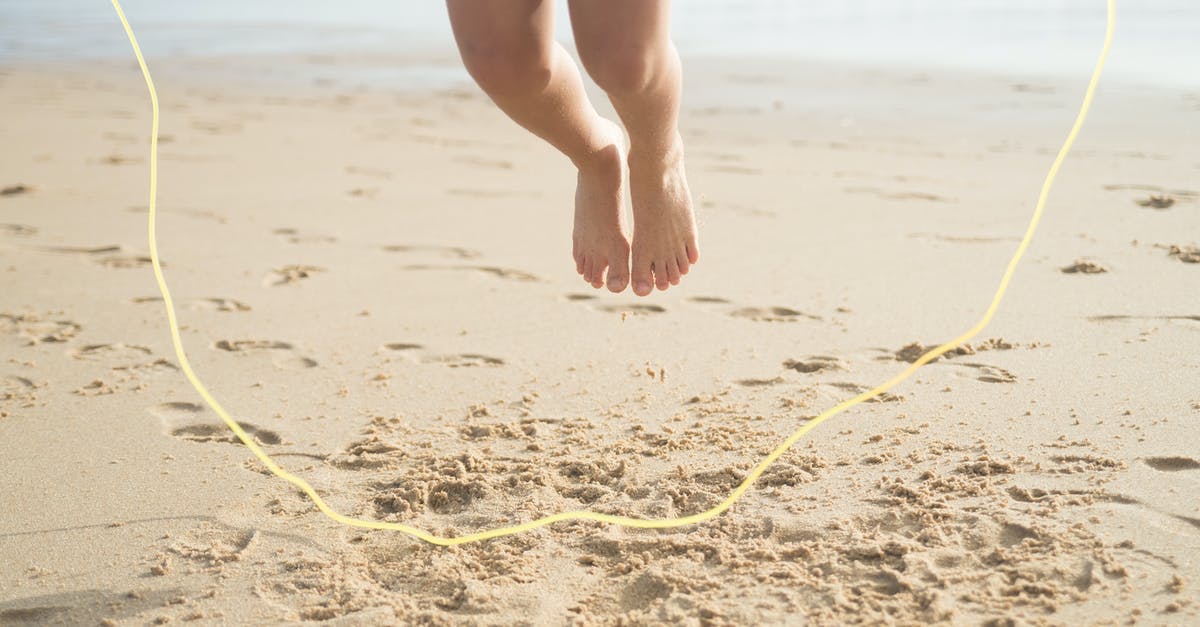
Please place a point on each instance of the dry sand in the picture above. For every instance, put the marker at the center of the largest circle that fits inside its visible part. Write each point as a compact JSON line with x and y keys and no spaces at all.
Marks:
{"x":379,"y":285}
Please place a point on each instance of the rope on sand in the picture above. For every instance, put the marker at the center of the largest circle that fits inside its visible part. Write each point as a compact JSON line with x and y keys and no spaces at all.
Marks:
{"x":625,"y":521}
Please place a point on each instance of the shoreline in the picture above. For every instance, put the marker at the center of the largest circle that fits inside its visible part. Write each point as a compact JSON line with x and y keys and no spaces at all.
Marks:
{"x":433,"y":69}
{"x":1021,"y":38}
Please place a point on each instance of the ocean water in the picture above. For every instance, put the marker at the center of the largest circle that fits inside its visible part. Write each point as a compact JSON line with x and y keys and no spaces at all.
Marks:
{"x":1157,"y":41}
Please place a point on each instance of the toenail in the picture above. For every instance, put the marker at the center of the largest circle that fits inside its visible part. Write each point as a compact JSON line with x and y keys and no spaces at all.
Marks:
{"x":642,"y":286}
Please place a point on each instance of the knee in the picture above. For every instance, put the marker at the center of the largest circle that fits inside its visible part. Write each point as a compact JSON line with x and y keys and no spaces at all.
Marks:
{"x":627,"y":70}
{"x":508,"y":69}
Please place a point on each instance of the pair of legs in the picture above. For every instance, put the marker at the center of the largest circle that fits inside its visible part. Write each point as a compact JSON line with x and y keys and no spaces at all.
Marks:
{"x":508,"y":47}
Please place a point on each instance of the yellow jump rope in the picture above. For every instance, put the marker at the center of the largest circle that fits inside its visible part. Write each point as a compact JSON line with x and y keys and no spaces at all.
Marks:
{"x":625,"y":521}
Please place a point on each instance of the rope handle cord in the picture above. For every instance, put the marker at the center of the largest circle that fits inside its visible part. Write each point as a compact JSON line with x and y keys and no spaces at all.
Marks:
{"x":625,"y":521}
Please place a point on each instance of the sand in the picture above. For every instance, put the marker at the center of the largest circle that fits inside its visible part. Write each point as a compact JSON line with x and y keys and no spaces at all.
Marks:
{"x":378,"y":284}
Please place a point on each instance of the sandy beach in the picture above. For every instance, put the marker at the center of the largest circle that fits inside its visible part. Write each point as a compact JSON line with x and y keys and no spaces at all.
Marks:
{"x":377,"y":282}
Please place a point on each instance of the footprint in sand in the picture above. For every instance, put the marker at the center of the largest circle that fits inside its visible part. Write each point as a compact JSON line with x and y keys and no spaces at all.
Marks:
{"x":288,"y":275}
{"x":1164,"y":201}
{"x":240,"y":346}
{"x":110,"y":352}
{"x":15,"y":190}
{"x":296,"y":237}
{"x":282,"y":354}
{"x":461,"y":360}
{"x":465,"y":360}
{"x":107,"y":256}
{"x":503,"y":273}
{"x":126,"y":262}
{"x":402,"y":346}
{"x":17,"y":389}
{"x":18,"y":230}
{"x":983,"y":372}
{"x":816,"y":363}
{"x":1172,"y":464}
{"x":200,"y":304}
{"x":1159,"y":197}
{"x":625,"y":309}
{"x":915,"y":350}
{"x":855,"y":388}
{"x":1183,"y":320}
{"x":709,"y":300}
{"x":755,"y":383}
{"x":156,"y":367}
{"x":771,"y":314}
{"x":31,"y":329}
{"x":190,"y":421}
{"x":1186,"y":254}
{"x":13,"y":383}
{"x":455,"y":252}
{"x":1084,"y":266}
{"x":635,"y":309}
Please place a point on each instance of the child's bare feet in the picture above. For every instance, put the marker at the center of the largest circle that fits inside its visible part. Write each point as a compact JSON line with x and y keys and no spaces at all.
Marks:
{"x":664,"y":229}
{"x":599,"y":240}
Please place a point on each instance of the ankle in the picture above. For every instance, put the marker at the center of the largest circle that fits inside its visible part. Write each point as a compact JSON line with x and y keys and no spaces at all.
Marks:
{"x":657,"y":154}
{"x":602,"y":161}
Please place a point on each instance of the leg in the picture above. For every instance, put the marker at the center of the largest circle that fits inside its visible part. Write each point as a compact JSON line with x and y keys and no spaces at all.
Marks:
{"x":509,"y":49}
{"x":626,"y":47}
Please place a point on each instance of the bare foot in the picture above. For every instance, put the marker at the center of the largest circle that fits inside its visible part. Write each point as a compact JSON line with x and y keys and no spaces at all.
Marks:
{"x":664,"y":229}
{"x":599,"y":240}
